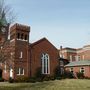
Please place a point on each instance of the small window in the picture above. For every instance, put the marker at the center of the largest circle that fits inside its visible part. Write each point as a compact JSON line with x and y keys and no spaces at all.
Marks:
{"x":82,"y":70}
{"x":61,"y":63}
{"x":18,"y":36}
{"x":79,"y":58}
{"x":20,"y":71}
{"x":71,"y":70}
{"x":22,"y":36}
{"x":25,"y":37}
{"x":21,"y":53}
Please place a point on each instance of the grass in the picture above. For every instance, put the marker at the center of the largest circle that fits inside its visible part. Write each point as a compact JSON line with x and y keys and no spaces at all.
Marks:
{"x":67,"y":84}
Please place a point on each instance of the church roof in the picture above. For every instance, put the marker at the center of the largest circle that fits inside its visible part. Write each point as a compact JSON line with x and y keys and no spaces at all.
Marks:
{"x":79,"y":63}
{"x":39,"y":41}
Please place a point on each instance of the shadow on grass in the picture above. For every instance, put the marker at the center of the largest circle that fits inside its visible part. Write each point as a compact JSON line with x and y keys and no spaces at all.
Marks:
{"x":26,"y":86}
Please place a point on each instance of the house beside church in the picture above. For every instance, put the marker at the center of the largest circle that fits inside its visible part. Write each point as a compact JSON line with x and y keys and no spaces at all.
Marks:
{"x":79,"y":59}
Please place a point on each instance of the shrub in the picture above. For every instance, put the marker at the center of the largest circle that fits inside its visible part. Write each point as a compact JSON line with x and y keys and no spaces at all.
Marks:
{"x":52,"y":78}
{"x":32,"y":79}
{"x":39,"y":76}
{"x":22,"y":79}
{"x":46,"y":78}
{"x":58,"y":78}
{"x":80,"y":75}
{"x":39,"y":79}
{"x":57,"y":72}
{"x":68,"y":74}
{"x":87,"y":77}
{"x":38,"y":73}
{"x":11,"y":80}
{"x":1,"y":79}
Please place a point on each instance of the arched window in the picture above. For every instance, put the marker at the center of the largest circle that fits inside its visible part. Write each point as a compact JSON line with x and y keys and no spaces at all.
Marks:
{"x":18,"y":35}
{"x":45,"y":64}
{"x":25,"y":37}
{"x":22,"y":36}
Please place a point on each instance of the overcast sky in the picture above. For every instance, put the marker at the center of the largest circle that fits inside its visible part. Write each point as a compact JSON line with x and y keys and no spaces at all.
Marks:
{"x":62,"y":22}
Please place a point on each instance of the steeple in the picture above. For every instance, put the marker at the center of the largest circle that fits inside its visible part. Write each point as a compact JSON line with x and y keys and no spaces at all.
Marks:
{"x":3,"y":21}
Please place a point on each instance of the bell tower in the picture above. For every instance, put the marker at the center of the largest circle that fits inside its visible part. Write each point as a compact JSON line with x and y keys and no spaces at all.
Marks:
{"x":19,"y":38}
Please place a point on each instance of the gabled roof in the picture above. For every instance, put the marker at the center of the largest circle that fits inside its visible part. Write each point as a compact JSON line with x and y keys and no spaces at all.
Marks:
{"x":79,"y":63}
{"x":41,"y":40}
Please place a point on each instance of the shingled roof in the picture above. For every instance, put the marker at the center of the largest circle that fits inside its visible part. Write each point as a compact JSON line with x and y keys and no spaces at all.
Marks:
{"x":78,"y":63}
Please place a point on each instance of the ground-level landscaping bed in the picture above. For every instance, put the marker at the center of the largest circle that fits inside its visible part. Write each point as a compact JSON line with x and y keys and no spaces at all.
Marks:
{"x":66,"y":84}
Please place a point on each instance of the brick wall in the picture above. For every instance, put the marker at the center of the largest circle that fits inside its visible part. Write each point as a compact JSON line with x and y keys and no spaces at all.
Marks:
{"x":43,"y":47}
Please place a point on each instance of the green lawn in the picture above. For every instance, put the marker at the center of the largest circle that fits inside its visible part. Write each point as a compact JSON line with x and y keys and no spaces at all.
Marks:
{"x":67,"y":84}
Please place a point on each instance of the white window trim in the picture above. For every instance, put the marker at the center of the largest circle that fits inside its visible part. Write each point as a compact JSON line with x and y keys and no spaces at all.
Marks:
{"x":48,"y":65}
{"x":20,"y":71}
{"x":70,"y":58}
{"x":42,"y":64}
{"x":22,"y":40}
{"x":21,"y":54}
{"x":23,"y":72}
{"x":83,"y":69}
{"x":71,"y":69}
{"x":47,"y":60}
{"x":5,"y":67}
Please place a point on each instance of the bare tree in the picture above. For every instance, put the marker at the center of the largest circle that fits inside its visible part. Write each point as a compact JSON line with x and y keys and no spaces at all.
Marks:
{"x":7,"y":17}
{"x":6,"y":57}
{"x":2,"y":56}
{"x":6,"y":13}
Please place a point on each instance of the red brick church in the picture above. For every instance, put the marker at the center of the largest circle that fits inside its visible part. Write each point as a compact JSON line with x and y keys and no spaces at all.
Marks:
{"x":21,"y":58}
{"x":24,"y":58}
